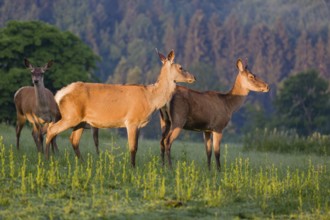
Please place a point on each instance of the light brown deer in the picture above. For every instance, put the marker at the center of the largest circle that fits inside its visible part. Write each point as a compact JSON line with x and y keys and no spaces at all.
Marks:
{"x":37,"y":105}
{"x":208,"y":111}
{"x":110,"y":106}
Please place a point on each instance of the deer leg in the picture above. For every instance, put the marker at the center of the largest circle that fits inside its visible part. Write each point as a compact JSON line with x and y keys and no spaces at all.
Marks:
{"x":19,"y":125}
{"x":55,"y":129}
{"x":53,"y":141}
{"x":75,"y":139}
{"x":216,"y":146}
{"x":41,"y":138}
{"x":208,"y":147}
{"x":133,"y":136}
{"x":36,"y":137}
{"x":165,"y":128}
{"x":54,"y":145}
{"x":168,"y":143}
{"x":95,"y":132}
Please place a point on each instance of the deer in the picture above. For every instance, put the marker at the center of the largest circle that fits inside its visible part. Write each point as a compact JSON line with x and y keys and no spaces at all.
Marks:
{"x":127,"y":106}
{"x":37,"y":105}
{"x":208,"y":112}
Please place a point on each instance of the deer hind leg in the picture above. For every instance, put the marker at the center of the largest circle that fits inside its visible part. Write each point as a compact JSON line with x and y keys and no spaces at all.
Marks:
{"x":172,"y":135}
{"x":75,"y":139}
{"x":208,"y":147}
{"x":165,"y":128}
{"x":56,"y":128}
{"x":95,"y":132}
{"x":216,"y":146}
{"x":133,"y":137}
{"x":20,"y":122}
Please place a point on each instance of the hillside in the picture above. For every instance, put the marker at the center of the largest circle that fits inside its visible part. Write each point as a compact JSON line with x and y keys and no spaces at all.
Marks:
{"x":278,"y":38}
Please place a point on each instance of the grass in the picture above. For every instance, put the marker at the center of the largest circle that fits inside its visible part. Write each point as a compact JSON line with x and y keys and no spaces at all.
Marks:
{"x":253,"y":185}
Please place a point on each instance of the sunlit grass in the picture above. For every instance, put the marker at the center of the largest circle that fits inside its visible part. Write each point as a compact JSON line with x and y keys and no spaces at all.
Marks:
{"x":251,"y":184}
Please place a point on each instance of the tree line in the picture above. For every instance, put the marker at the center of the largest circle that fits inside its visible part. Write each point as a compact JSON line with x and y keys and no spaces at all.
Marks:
{"x":278,"y":39}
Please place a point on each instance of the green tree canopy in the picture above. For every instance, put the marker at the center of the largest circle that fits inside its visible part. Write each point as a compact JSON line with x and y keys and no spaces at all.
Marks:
{"x":303,"y":103}
{"x":40,"y":42}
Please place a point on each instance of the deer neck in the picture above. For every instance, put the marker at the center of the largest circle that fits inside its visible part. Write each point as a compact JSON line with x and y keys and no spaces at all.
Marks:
{"x":161,"y":91}
{"x":41,"y":99}
{"x":236,"y":96}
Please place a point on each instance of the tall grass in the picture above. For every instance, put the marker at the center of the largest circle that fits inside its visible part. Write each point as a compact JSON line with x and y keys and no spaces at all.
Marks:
{"x":286,"y":142}
{"x":106,"y":186}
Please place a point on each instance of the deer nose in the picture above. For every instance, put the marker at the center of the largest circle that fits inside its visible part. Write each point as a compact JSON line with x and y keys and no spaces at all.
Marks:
{"x":267,"y":88}
{"x":193,"y":79}
{"x":35,"y":81}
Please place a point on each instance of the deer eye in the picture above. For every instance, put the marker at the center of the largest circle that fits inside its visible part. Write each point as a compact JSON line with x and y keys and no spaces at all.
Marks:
{"x":180,"y":68}
{"x":251,"y":76}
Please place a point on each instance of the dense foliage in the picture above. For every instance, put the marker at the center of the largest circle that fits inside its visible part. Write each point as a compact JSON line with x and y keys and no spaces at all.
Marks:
{"x":303,"y":104}
{"x":279,"y":38}
{"x":39,"y":42}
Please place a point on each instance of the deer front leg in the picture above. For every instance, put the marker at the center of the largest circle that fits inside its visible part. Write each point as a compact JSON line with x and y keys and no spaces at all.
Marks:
{"x":95,"y":132}
{"x":216,"y":147}
{"x":133,"y":136}
{"x":19,"y":125}
{"x":172,"y":135}
{"x":37,"y":137}
{"x":208,"y":147}
{"x":53,"y":142}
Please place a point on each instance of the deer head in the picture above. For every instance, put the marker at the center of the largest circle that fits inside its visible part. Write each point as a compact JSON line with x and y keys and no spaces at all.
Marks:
{"x":176,"y":72}
{"x":37,"y":72}
{"x":248,"y":80}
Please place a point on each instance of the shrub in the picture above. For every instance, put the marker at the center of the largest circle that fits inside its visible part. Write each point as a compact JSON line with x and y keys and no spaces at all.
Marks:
{"x":286,"y":141}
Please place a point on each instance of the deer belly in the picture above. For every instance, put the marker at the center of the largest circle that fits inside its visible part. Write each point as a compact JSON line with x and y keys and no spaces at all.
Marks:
{"x":197,"y":126}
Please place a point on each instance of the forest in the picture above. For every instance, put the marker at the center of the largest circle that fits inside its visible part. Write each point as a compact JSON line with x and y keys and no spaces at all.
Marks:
{"x":278,"y":39}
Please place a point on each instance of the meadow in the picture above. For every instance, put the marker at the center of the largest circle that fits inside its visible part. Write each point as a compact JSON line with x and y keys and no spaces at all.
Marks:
{"x":252,"y":184}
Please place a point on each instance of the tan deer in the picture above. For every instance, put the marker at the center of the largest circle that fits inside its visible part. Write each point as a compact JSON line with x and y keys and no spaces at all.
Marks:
{"x":37,"y":105}
{"x":207,"y":111}
{"x":110,"y":106}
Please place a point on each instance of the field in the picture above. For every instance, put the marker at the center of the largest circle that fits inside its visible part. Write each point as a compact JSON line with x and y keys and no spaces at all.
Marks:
{"x":252,"y":185}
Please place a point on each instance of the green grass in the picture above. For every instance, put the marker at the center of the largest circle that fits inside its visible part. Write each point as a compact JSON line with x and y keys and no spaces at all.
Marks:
{"x":255,"y":185}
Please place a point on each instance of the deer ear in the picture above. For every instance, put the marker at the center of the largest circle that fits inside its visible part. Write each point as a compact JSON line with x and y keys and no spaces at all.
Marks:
{"x":27,"y":64}
{"x":162,"y":57}
{"x":240,"y":65}
{"x":48,"y":65}
{"x":171,"y":56}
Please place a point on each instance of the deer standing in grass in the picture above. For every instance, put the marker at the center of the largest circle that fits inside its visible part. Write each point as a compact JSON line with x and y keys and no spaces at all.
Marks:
{"x":37,"y":105}
{"x":207,"y":111}
{"x":110,"y":106}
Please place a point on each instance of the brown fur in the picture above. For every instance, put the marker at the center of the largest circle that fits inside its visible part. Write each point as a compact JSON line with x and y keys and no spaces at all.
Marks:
{"x":208,"y":111}
{"x":37,"y":105}
{"x":109,"y":106}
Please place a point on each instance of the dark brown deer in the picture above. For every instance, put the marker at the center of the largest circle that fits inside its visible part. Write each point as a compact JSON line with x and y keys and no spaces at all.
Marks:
{"x":110,"y":106}
{"x":208,"y":111}
{"x":37,"y":105}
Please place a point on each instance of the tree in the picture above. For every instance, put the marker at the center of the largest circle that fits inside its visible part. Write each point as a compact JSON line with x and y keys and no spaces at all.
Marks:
{"x":40,"y":42}
{"x":303,"y":103}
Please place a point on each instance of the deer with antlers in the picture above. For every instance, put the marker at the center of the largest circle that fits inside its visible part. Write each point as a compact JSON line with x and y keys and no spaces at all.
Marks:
{"x":207,"y":111}
{"x":110,"y":106}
